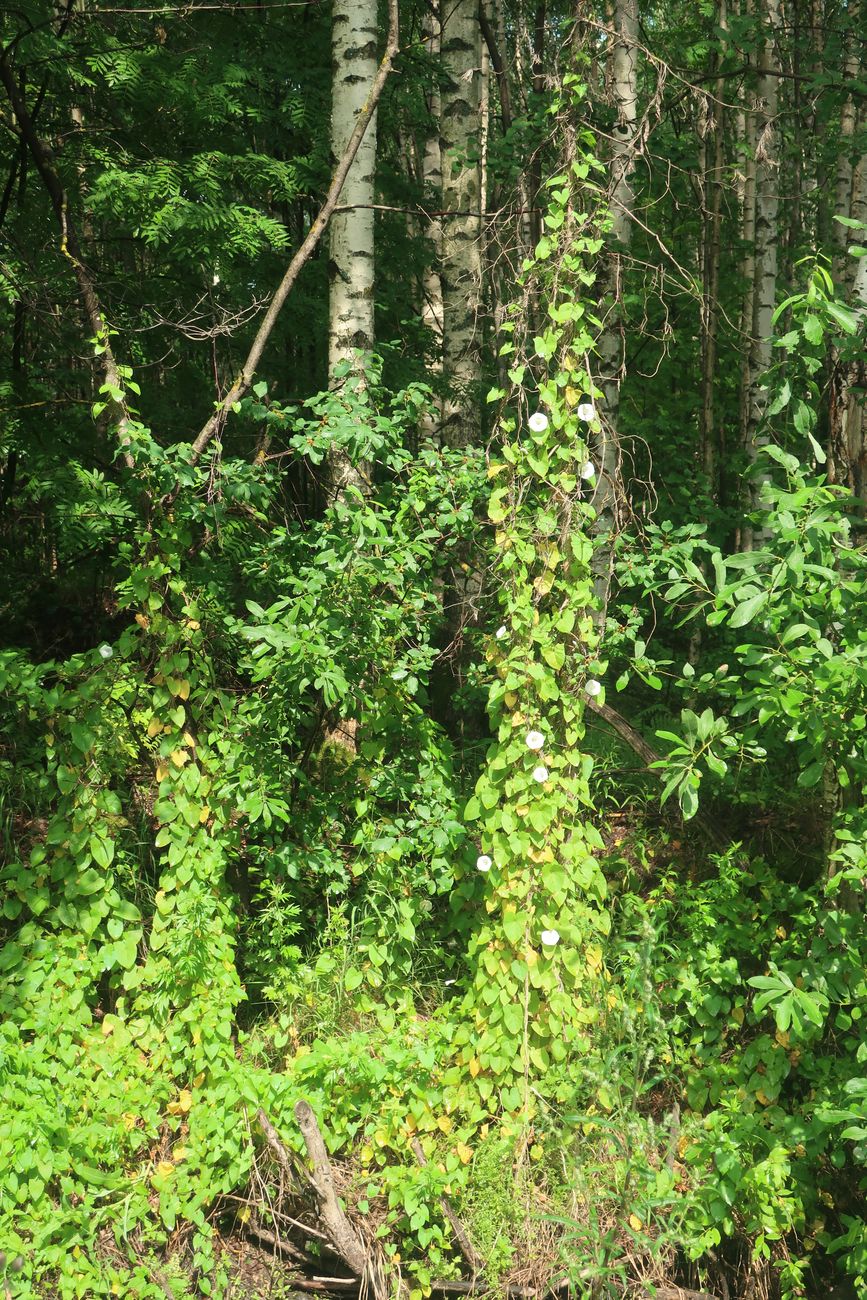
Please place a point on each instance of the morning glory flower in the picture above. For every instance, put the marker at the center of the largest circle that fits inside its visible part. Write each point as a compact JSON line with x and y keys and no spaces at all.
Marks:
{"x":105,"y":651}
{"x":535,"y":740}
{"x":540,"y":773}
{"x":586,"y":410}
{"x":593,"y":688}
{"x":500,"y":632}
{"x":538,"y":422}
{"x":550,"y":938}
{"x":588,"y":470}
{"x":483,"y":862}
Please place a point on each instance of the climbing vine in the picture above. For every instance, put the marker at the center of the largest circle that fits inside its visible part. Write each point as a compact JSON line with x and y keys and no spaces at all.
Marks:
{"x":537,"y":955}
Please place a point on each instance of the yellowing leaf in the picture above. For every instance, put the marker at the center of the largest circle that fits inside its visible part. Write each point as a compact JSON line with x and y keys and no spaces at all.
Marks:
{"x":162,"y":771}
{"x":444,"y":1123}
{"x":738,"y":1015}
{"x":180,"y":1153}
{"x":594,"y":957}
{"x":204,"y":814}
{"x":183,"y":690}
{"x":635,"y":1223}
{"x":782,"y":1037}
{"x":475,"y":1066}
{"x":573,"y":397}
{"x":164,"y":1169}
{"x":183,"y":1103}
{"x":511,"y":699}
{"x":189,"y":740}
{"x":244,"y":1214}
{"x":129,"y":1120}
{"x":465,"y":1153}
{"x":143,"y":621}
{"x":179,"y":757}
{"x":155,"y":726}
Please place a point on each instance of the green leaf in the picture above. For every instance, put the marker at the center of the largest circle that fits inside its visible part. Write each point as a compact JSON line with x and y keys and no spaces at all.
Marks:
{"x":746,"y":612}
{"x":90,"y":882}
{"x":472,"y":810}
{"x":515,"y":926}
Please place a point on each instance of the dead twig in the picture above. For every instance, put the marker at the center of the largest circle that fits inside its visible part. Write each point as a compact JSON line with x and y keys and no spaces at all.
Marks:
{"x":340,"y":1230}
{"x":241,"y":386}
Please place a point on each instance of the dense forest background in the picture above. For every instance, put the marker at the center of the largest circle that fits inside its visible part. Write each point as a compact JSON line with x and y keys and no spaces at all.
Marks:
{"x":433,"y":735}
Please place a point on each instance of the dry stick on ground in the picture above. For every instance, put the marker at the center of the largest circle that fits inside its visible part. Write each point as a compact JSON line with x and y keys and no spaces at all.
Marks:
{"x":244,"y":380}
{"x":340,"y":1231}
{"x":118,"y":411}
{"x":468,"y":1250}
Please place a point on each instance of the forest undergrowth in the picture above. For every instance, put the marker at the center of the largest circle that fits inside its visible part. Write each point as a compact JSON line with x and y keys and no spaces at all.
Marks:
{"x":429,"y":868}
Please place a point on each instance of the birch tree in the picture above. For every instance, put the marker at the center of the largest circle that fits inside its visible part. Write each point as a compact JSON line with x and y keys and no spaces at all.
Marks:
{"x":351,"y":266}
{"x":461,"y":268}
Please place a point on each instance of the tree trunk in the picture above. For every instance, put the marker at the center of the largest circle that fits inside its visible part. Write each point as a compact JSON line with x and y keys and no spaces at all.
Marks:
{"x":461,"y":269}
{"x":766,"y":252}
{"x":847,"y":434}
{"x":351,"y":265}
{"x":621,"y":72}
{"x":715,"y":159}
{"x":432,"y":184}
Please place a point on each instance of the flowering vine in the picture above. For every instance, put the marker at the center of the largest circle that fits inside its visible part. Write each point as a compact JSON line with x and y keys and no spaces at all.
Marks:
{"x":537,"y":956}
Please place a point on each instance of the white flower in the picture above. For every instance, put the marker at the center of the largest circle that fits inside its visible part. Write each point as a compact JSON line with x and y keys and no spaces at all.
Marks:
{"x":538,"y":422}
{"x":448,"y":982}
{"x":588,"y":470}
{"x":593,"y":688}
{"x":483,"y":862}
{"x":105,"y":651}
{"x":535,"y":740}
{"x":550,"y":938}
{"x":540,"y":773}
{"x":500,"y":632}
{"x":586,"y":411}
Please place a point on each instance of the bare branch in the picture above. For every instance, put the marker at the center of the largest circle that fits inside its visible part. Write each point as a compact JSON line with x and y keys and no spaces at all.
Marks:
{"x":243,"y":382}
{"x":119,"y":415}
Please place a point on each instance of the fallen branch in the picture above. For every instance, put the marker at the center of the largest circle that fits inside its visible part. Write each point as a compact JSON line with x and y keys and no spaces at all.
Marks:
{"x":244,"y":380}
{"x":340,"y":1230}
{"x":468,"y":1250}
{"x":678,"y":1293}
{"x":276,"y":1243}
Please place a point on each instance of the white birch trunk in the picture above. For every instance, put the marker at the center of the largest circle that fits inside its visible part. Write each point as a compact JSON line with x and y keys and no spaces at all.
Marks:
{"x":350,"y":305}
{"x":843,"y":192}
{"x":461,"y":268}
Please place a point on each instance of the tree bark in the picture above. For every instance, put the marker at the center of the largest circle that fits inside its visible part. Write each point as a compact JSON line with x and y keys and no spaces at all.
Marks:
{"x":621,"y":75}
{"x":461,"y":268}
{"x":714,"y":154}
{"x":766,"y":254}
{"x":351,"y":236}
